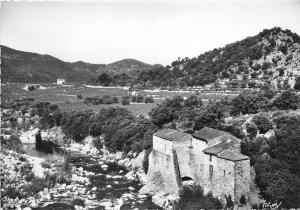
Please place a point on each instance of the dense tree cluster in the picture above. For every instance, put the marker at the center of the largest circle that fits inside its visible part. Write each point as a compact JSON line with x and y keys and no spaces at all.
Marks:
{"x":277,"y":161}
{"x":106,"y":79}
{"x":106,"y":99}
{"x":193,"y":112}
{"x":122,"y":131}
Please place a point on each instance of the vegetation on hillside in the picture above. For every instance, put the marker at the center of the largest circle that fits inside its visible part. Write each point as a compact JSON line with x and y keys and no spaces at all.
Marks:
{"x":269,"y":56}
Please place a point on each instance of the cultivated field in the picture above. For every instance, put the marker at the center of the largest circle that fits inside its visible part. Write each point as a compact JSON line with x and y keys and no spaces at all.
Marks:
{"x":65,"y":96}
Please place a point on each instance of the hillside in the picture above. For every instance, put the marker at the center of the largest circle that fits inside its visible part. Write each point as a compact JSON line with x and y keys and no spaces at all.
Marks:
{"x":272,"y":57}
{"x":127,"y":66}
{"x":20,"y":66}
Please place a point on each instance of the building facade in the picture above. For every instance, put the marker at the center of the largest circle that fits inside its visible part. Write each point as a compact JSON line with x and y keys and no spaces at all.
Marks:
{"x":60,"y":81}
{"x":209,"y":157}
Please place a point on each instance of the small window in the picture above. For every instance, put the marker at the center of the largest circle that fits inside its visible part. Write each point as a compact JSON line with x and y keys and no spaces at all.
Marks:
{"x":210,"y":157}
{"x":211,"y":171}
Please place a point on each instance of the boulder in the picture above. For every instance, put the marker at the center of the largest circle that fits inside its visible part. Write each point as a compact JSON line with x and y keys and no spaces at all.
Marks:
{"x":104,"y":167}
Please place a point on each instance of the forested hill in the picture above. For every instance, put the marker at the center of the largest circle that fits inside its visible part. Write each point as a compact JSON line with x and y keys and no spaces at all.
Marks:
{"x":272,"y":56}
{"x":21,"y":66}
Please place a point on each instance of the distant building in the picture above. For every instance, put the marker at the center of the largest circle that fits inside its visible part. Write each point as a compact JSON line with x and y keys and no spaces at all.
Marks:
{"x":60,"y":81}
{"x":209,"y":157}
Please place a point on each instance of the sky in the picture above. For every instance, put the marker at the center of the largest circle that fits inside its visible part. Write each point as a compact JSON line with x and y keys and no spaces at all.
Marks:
{"x":150,"y":31}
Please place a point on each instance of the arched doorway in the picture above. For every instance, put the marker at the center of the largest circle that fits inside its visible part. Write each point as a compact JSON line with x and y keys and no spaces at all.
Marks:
{"x":186,"y":180}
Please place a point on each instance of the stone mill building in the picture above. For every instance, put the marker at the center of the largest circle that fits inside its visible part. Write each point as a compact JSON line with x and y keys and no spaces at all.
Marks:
{"x":209,"y":157}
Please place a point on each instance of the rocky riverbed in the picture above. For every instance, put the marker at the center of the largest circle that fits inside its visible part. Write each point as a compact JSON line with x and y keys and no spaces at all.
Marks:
{"x":99,"y":180}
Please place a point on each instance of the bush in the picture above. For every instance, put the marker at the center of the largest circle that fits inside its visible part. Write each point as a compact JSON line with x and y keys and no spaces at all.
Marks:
{"x":108,"y":101}
{"x":139,"y":98}
{"x":79,"y":96}
{"x":256,"y":67}
{"x":78,"y":202}
{"x":31,"y":88}
{"x":192,"y":197}
{"x":263,"y":122}
{"x":149,"y":99}
{"x":13,"y":143}
{"x":125,"y":100}
{"x":251,"y":129}
{"x":266,"y":65}
{"x":287,"y":100}
{"x":98,"y":143}
{"x":134,"y":99}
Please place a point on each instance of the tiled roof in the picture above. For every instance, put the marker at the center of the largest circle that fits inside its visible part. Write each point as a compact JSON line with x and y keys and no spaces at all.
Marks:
{"x":207,"y":133}
{"x":226,"y":149}
{"x":226,"y":143}
{"x":232,"y":155}
{"x":172,"y":135}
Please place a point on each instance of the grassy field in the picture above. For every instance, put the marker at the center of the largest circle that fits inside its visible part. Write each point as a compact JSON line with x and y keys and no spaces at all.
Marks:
{"x":66,"y":96}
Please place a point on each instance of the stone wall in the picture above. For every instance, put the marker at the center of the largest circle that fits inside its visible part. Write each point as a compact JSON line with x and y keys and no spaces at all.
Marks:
{"x":229,"y":177}
{"x":241,"y":179}
{"x":161,"y":159}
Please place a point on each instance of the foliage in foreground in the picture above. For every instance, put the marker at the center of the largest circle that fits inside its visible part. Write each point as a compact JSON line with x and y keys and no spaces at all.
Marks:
{"x":192,"y":197}
{"x":276,"y":162}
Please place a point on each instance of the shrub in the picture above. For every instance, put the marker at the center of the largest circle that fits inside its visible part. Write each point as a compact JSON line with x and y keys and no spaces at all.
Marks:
{"x":266,"y":65}
{"x":98,"y":143}
{"x":251,"y":129}
{"x":78,"y":202}
{"x":133,"y":99}
{"x":256,"y":67}
{"x":13,"y":143}
{"x":287,"y":100}
{"x":10,"y":192}
{"x":139,"y":98}
{"x":108,"y":101}
{"x":30,"y":88}
{"x":263,"y":122}
{"x":281,"y":71}
{"x":149,"y":99}
{"x":125,"y":100}
{"x":79,"y":96}
{"x":192,"y":197}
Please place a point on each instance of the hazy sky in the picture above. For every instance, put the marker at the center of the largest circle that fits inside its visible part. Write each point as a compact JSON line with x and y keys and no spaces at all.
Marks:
{"x":150,"y":31}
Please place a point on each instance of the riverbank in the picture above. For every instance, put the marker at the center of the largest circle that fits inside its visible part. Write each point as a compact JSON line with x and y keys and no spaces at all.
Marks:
{"x":92,"y":175}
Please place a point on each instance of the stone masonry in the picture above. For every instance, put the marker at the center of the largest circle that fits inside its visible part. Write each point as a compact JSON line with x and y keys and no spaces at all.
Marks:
{"x":209,"y":157}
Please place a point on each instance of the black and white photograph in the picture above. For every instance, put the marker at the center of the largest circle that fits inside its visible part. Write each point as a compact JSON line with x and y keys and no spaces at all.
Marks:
{"x":150,"y":105}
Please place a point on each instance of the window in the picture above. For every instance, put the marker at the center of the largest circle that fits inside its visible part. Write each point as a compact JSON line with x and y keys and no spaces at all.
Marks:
{"x":210,"y":157}
{"x":224,"y":172}
{"x":211,"y":171}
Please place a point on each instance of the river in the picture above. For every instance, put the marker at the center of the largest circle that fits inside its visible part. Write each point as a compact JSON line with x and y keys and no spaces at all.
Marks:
{"x":113,"y":188}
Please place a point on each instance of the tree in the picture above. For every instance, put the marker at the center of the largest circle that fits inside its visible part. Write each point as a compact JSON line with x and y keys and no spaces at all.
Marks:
{"x":166,"y":111}
{"x":125,"y":100}
{"x":251,"y":129}
{"x":210,"y":115}
{"x":288,"y":100}
{"x":104,"y":79}
{"x":149,"y":99}
{"x":263,"y":122}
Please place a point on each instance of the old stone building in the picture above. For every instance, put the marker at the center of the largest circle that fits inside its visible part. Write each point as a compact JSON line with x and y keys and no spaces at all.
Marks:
{"x":209,"y":157}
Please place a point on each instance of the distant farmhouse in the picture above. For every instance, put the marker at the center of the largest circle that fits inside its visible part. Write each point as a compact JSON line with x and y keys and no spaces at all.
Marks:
{"x":209,"y":157}
{"x":60,"y":81}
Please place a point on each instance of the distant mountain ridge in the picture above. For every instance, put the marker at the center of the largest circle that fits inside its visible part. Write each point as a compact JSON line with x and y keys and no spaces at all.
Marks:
{"x":21,"y":66}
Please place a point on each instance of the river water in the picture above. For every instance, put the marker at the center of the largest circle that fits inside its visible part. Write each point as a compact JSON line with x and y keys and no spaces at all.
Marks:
{"x":121,"y":190}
